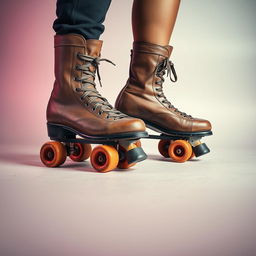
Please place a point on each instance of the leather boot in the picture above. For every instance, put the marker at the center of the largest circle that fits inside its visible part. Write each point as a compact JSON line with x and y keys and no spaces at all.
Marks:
{"x":143,"y":96}
{"x":75,"y":102}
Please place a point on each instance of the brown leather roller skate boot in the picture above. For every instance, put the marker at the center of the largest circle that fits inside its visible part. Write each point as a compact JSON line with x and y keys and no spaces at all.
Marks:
{"x":143,"y":97}
{"x":77,"y":108}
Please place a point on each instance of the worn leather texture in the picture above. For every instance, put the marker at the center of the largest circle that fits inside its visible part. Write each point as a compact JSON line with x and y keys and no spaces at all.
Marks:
{"x":65,"y":105}
{"x":140,"y":96}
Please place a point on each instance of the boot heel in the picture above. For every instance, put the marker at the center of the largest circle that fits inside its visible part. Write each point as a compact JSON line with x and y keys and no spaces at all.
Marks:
{"x":57,"y":132}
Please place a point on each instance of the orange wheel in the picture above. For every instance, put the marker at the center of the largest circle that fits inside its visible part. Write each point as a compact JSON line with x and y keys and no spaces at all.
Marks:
{"x":81,"y":152}
{"x":163,"y":147}
{"x":138,"y":143}
{"x":123,"y":164}
{"x":104,"y":158}
{"x":192,"y":155}
{"x":180,"y":151}
{"x":53,"y":154}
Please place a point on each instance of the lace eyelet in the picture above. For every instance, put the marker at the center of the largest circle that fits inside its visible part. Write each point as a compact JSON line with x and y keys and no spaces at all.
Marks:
{"x":81,"y":98}
{"x":93,"y":109}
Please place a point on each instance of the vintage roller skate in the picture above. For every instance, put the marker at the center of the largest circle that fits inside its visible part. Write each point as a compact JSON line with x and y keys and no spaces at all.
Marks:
{"x":143,"y":98}
{"x":78,"y":116}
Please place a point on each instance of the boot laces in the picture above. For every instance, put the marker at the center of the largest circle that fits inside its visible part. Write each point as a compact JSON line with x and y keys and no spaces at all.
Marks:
{"x":89,"y":90}
{"x":162,"y":67}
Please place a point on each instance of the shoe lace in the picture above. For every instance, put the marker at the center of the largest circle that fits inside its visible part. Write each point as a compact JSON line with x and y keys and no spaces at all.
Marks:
{"x":162,"y":67}
{"x":89,"y":90}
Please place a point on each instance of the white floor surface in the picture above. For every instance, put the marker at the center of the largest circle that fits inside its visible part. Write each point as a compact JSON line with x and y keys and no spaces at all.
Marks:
{"x":160,"y":208}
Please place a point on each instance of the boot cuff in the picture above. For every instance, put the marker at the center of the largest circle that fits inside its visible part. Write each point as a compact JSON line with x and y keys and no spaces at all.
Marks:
{"x":150,"y":48}
{"x":69,"y":40}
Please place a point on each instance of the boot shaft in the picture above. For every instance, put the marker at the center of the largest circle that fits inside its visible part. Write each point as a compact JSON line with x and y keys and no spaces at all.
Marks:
{"x":145,"y":57}
{"x":67,"y":47}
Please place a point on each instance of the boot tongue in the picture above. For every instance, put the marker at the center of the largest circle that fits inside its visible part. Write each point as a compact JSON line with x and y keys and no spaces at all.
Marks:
{"x":94,"y":47}
{"x":169,"y":50}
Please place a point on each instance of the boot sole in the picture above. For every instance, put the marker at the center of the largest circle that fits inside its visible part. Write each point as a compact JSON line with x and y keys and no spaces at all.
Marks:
{"x":160,"y":129}
{"x":64,"y":133}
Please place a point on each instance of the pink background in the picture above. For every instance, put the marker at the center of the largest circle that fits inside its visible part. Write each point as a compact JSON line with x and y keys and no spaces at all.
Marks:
{"x":26,"y":69}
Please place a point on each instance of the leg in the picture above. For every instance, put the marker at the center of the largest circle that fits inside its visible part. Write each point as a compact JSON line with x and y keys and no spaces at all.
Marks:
{"x":143,"y":95}
{"x":81,"y":17}
{"x":153,"y":21}
{"x":75,"y":100}
{"x":75,"y":106}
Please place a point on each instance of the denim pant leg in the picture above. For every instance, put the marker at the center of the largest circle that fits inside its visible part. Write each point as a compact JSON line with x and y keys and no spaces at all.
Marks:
{"x":83,"y":17}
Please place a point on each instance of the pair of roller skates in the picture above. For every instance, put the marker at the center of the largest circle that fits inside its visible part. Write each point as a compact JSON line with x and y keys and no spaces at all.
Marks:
{"x":116,"y":151}
{"x":76,"y":108}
